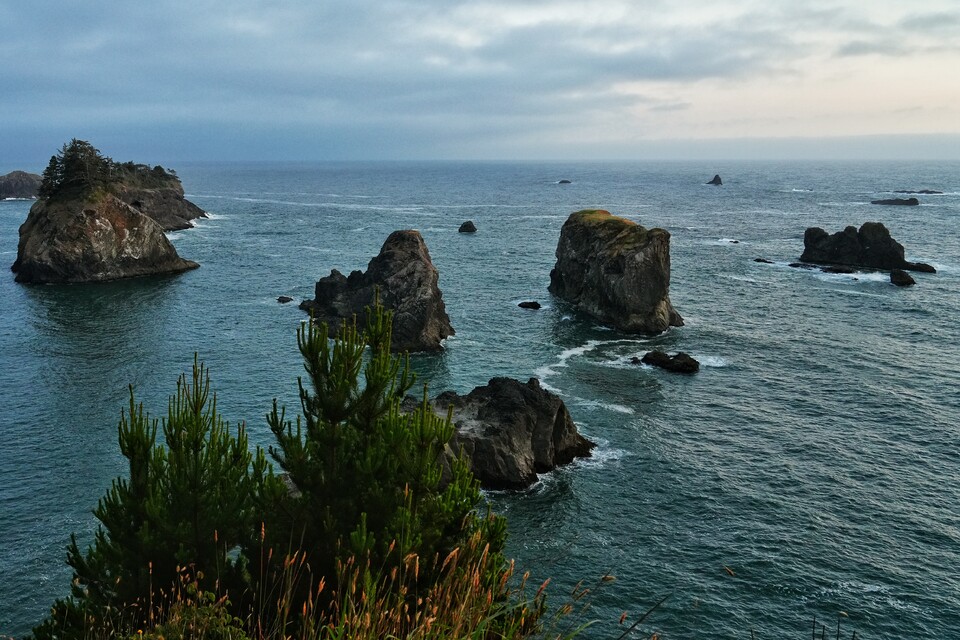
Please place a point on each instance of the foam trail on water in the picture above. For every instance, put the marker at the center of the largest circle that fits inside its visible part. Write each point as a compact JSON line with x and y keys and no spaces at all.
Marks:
{"x":550,"y":370}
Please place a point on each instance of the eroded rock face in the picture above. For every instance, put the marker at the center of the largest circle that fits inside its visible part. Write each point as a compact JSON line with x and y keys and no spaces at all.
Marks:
{"x":511,"y":431}
{"x":19,"y":184}
{"x":166,"y":205}
{"x":92,"y":241}
{"x":407,"y":281}
{"x":616,"y":271}
{"x":871,"y":247}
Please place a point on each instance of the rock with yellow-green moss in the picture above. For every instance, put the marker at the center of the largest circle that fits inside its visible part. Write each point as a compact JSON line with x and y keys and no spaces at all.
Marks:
{"x":616,"y":271}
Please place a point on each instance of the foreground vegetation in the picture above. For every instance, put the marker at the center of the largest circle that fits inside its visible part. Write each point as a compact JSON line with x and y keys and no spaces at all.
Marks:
{"x":364,"y":534}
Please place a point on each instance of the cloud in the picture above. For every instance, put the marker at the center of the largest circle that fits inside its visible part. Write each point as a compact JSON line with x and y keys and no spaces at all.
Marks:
{"x":433,"y":75}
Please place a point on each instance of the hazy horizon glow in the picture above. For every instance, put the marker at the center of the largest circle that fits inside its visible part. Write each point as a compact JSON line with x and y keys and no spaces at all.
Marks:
{"x":544,"y":79}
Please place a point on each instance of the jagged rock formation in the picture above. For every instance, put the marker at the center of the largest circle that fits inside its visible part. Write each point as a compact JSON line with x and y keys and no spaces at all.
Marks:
{"x":906,"y":202}
{"x":407,"y":281}
{"x":616,"y":271}
{"x":716,"y":181}
{"x":92,"y":240}
{"x":166,"y":205}
{"x":468,"y":227}
{"x":511,"y":431}
{"x":871,"y":247}
{"x":19,"y":184}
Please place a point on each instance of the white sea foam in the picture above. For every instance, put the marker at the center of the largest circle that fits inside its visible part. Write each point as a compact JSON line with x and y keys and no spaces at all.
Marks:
{"x":711,"y":361}
{"x":592,"y":405}
{"x":550,"y":370}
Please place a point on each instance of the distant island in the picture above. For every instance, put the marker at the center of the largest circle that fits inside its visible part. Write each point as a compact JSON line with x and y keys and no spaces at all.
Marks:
{"x":19,"y":185}
{"x":97,"y":220}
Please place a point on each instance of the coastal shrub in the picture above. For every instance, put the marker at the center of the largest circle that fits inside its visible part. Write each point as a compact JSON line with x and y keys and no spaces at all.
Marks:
{"x":368,"y":533}
{"x":368,"y":480}
{"x":188,"y":502}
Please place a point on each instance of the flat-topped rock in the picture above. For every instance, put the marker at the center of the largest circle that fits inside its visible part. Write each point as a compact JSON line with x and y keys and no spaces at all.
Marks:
{"x":404,"y":275}
{"x":616,"y":271}
{"x":902,"y":202}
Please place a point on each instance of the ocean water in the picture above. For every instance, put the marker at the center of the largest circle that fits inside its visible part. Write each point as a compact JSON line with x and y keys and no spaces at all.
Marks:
{"x":815,"y":455}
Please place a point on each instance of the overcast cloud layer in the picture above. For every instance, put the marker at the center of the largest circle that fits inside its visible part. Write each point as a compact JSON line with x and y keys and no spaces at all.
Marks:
{"x":545,"y":79}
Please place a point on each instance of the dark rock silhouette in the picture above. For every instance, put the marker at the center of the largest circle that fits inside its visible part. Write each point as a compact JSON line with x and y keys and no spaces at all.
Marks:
{"x":19,"y":184}
{"x":901,"y":278}
{"x":763,"y":260}
{"x":284,"y":299}
{"x":907,"y":202}
{"x":407,"y":281}
{"x":511,"y":431}
{"x":716,"y":181}
{"x":678,"y":363}
{"x":166,"y":205}
{"x":616,"y":271}
{"x":92,"y":240}
{"x":468,"y":227}
{"x":564,"y":181}
{"x":530,"y":304}
{"x":870,"y":247}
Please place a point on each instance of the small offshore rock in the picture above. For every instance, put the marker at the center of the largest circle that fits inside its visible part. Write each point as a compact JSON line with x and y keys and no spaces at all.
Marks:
{"x":838,"y":269}
{"x":901,"y":278}
{"x":284,"y":299}
{"x":716,"y":181}
{"x":530,"y":304}
{"x":763,"y":260}
{"x":468,"y":227}
{"x":678,"y":363}
{"x":905,"y":202}
{"x":564,"y":181}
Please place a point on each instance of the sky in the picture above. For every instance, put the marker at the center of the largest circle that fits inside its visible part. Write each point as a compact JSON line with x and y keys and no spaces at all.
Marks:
{"x":482,"y":80}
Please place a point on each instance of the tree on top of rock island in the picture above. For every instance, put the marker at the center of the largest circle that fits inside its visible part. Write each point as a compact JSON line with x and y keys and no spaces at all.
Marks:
{"x":79,"y":169}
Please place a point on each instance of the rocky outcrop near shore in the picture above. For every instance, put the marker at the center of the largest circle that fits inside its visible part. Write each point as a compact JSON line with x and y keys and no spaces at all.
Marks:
{"x":85,"y":240}
{"x":870,"y":247}
{"x":616,"y":271}
{"x":407,"y":281}
{"x":510,"y":431}
{"x":165,"y":205}
{"x":19,"y":184}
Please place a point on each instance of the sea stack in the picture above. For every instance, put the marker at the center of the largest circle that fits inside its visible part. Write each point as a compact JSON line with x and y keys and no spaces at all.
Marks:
{"x":406,"y":279}
{"x":716,"y":181}
{"x":870,"y":247}
{"x":82,"y":231}
{"x":616,"y":271}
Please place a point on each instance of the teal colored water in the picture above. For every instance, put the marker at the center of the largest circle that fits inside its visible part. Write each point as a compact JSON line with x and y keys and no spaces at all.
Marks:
{"x":815,"y":454}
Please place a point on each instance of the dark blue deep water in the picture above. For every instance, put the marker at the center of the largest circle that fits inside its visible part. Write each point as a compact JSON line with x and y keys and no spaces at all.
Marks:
{"x":815,"y":454}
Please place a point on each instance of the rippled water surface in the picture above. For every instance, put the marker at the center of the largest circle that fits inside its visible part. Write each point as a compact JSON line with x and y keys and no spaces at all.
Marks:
{"x":815,"y":455}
